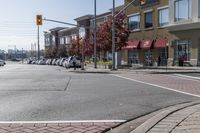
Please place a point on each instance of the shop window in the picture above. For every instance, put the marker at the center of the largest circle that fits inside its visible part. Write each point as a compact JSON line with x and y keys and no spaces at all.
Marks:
{"x":134,"y":22}
{"x":183,"y":10}
{"x":148,"y":58}
{"x":163,"y":53}
{"x":182,"y":50}
{"x":148,"y":20}
{"x":163,"y":17}
{"x":133,"y":56}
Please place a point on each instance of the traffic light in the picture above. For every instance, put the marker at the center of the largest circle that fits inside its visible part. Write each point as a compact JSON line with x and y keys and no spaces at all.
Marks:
{"x":142,"y":2}
{"x":39,"y":19}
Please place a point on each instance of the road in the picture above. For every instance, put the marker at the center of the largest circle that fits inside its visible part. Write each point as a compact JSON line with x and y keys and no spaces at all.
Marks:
{"x":51,"y":93}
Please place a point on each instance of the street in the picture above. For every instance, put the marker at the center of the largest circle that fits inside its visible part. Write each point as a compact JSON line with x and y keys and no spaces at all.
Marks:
{"x":52,"y":93}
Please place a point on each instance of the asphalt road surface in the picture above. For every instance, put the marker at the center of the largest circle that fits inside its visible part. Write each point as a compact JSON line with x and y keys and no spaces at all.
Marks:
{"x":51,"y":93}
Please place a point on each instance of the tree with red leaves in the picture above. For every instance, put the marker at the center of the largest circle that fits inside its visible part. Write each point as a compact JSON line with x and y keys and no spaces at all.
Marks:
{"x":76,"y":47}
{"x":104,"y":34}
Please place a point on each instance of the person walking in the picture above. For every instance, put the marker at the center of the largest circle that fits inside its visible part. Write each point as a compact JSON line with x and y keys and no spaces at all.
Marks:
{"x":159,"y":60}
{"x":74,"y":62}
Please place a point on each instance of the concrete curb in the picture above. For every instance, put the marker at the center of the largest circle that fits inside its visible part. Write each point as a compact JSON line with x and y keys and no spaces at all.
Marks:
{"x":85,"y":71}
{"x":146,"y":126}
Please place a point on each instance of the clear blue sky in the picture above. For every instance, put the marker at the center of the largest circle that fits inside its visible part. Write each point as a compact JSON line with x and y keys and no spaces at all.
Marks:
{"x":17,"y":25}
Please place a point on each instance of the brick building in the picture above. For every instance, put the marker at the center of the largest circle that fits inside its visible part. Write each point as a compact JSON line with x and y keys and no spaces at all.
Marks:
{"x":163,"y":32}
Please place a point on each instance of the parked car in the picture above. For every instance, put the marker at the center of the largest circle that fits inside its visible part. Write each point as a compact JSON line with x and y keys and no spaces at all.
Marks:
{"x":2,"y":62}
{"x":70,"y":64}
{"x":61,"y":61}
{"x":42,"y":62}
{"x":54,"y":62}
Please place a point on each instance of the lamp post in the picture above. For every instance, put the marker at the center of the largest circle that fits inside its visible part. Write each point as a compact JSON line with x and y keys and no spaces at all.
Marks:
{"x":95,"y":34}
{"x":113,"y":36}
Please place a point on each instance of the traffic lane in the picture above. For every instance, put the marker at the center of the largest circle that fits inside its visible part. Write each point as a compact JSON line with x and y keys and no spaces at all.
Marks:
{"x":122,"y":99}
{"x":32,"y":77}
{"x":88,"y":97}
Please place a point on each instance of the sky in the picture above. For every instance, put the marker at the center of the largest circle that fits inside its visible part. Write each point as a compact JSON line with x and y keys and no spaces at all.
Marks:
{"x":17,"y":18}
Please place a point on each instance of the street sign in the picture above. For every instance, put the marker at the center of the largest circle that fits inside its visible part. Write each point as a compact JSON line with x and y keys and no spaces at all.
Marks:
{"x":39,"y":19}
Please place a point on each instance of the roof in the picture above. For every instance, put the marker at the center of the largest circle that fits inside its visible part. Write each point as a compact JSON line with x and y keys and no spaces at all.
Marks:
{"x":102,"y":15}
{"x":57,"y":28}
{"x":89,"y":16}
{"x":69,"y":29}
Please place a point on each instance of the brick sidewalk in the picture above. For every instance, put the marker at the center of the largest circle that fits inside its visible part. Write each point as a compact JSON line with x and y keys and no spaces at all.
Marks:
{"x":184,"y":121}
{"x":169,"y":81}
{"x":82,"y":127}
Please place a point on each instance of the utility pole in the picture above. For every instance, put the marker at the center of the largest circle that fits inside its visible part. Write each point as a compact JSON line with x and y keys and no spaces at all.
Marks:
{"x":38,"y":42}
{"x":113,"y":36}
{"x":95,"y":34}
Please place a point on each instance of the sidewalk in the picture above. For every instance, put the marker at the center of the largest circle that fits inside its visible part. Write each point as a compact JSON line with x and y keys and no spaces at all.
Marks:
{"x":162,"y":69}
{"x":56,"y":127}
{"x":183,"y":118}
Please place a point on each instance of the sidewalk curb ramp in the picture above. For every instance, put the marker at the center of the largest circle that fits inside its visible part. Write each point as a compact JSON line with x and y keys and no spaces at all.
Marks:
{"x":146,"y":126}
{"x":144,"y":123}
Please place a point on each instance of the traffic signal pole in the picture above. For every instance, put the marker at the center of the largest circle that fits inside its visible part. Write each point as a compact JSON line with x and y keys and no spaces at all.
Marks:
{"x":38,"y":42}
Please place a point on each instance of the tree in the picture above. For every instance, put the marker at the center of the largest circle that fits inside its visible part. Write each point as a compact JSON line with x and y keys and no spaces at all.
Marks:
{"x":50,"y":52}
{"x":88,"y":46}
{"x":75,"y":47}
{"x":104,"y":34}
{"x":61,"y":52}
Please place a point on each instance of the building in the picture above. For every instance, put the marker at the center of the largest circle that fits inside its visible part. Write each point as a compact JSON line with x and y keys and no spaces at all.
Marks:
{"x":163,"y":32}
{"x":184,"y":24}
{"x":148,"y":40}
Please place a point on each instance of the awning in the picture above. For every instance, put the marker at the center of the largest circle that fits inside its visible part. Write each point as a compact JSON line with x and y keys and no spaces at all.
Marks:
{"x":132,"y":44}
{"x":146,"y":44}
{"x":161,"y":43}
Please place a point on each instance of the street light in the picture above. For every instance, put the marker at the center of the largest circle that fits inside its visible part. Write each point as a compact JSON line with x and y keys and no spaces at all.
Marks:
{"x":95,"y":34}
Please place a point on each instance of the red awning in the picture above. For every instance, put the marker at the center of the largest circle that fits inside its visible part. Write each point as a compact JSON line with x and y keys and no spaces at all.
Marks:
{"x":132,"y":44}
{"x":146,"y":44}
{"x":161,"y":43}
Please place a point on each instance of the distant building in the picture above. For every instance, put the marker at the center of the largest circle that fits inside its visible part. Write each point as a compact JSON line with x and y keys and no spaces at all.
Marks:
{"x":17,"y":54}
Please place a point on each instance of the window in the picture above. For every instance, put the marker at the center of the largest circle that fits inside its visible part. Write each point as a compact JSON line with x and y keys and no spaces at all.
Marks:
{"x":134,"y":22}
{"x":182,"y":50}
{"x":183,"y":10}
{"x":163,"y":17}
{"x":148,"y":20}
{"x":133,"y":56}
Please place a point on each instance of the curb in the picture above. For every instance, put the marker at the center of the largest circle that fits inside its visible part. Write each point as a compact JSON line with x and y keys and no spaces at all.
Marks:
{"x":85,"y":71}
{"x":146,"y":126}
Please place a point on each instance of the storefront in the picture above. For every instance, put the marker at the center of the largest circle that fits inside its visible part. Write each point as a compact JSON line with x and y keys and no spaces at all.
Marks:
{"x":146,"y":47}
{"x":133,"y":51}
{"x":161,"y":48}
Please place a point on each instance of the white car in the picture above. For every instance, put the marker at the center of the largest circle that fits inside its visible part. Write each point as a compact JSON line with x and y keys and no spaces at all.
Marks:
{"x":69,"y":62}
{"x":2,"y":63}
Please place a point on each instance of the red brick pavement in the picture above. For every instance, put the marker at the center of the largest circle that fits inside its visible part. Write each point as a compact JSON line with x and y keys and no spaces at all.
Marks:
{"x":165,"y":80}
{"x":83,"y":127}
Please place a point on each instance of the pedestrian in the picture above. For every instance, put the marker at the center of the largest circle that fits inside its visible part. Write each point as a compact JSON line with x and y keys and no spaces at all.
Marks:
{"x":74,"y":62}
{"x":159,"y":60}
